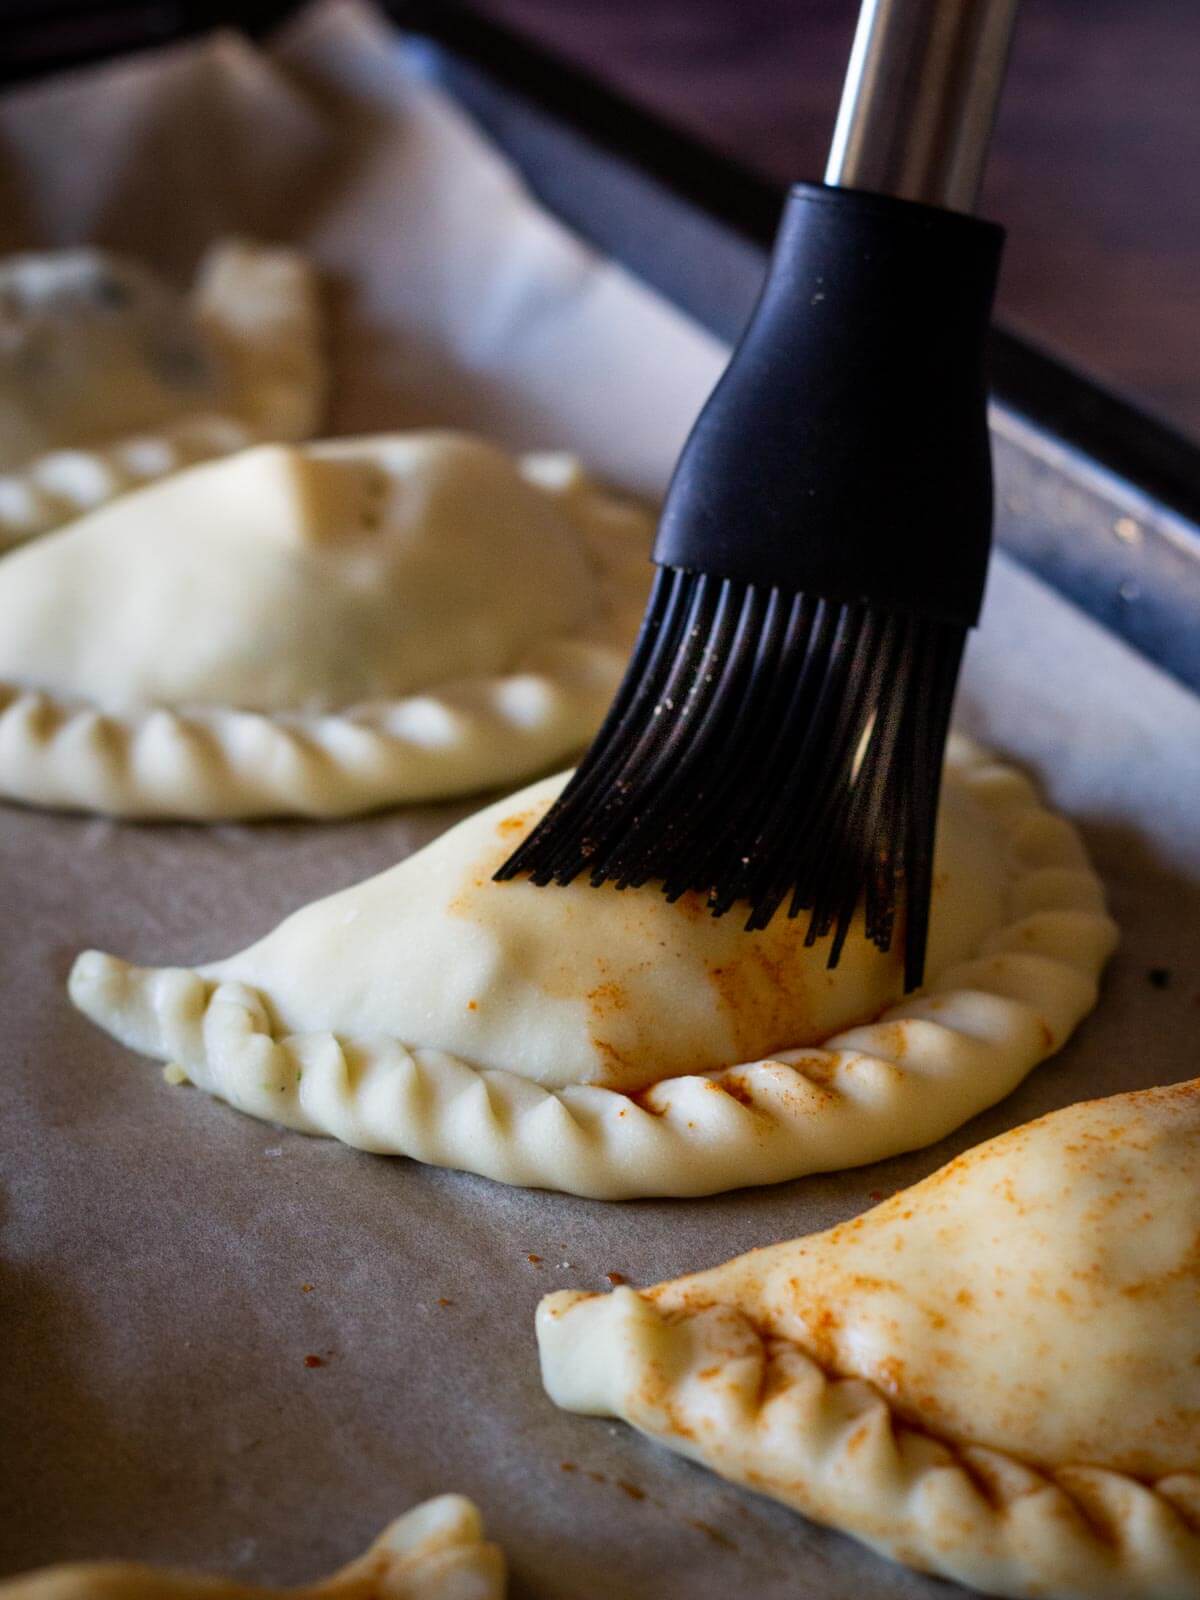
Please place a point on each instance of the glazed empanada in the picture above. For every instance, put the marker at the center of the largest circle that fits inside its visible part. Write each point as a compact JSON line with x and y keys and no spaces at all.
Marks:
{"x":993,"y":1376}
{"x":110,"y":379}
{"x":611,"y":1044}
{"x":317,"y":630}
{"x":434,"y":1552}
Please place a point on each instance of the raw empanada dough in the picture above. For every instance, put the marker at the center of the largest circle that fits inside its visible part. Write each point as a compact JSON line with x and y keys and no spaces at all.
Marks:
{"x":434,"y":1552}
{"x":587,"y":1039}
{"x":994,"y":1375}
{"x":109,"y":379}
{"x":317,"y":629}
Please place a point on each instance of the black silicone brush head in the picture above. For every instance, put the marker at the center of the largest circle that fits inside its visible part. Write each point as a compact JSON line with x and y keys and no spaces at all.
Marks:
{"x":767,"y":749}
{"x":778,"y":739}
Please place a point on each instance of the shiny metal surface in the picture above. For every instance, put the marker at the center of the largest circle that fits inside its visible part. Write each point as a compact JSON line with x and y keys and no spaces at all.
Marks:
{"x":1090,"y":495}
{"x":920,"y":98}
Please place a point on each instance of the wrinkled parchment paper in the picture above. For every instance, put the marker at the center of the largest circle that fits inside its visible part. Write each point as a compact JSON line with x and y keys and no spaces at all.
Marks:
{"x":166,"y":1265}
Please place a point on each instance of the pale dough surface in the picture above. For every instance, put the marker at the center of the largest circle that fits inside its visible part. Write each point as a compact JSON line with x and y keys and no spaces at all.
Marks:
{"x":436,"y":1551}
{"x":110,"y":379}
{"x":317,"y":629}
{"x":613,"y":1044}
{"x":994,"y":1375}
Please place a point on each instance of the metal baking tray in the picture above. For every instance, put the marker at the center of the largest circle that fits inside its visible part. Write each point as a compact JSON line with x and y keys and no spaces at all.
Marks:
{"x":1096,"y":497}
{"x":1101,"y":501}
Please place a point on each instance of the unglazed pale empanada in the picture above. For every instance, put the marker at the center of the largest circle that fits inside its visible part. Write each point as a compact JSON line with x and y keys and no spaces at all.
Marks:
{"x":434,"y":1552}
{"x":109,"y":379}
{"x":318,"y":630}
{"x":994,"y":1375}
{"x":611,"y":1044}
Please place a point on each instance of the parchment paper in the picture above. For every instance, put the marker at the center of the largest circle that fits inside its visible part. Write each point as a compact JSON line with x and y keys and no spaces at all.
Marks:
{"x":155,"y":1246}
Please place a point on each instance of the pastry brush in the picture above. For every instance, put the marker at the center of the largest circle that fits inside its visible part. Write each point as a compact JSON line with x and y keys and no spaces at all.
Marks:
{"x":779,"y":733}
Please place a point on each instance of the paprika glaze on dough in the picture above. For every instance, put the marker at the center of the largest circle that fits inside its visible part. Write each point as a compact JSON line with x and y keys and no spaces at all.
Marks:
{"x":993,"y":1376}
{"x":610,"y":1043}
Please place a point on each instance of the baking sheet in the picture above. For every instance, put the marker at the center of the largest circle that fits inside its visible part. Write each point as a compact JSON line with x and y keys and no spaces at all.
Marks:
{"x":157,"y":1248}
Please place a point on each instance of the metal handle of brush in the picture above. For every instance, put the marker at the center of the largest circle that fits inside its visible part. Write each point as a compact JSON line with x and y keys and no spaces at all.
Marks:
{"x":845,"y":452}
{"x":920,"y":99}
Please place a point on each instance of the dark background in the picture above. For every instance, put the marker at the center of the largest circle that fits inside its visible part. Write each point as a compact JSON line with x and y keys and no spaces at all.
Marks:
{"x":1095,"y":168}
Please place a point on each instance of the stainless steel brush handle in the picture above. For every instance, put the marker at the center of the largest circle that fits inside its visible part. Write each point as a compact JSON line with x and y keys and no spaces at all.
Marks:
{"x":824,"y":542}
{"x":920,"y":99}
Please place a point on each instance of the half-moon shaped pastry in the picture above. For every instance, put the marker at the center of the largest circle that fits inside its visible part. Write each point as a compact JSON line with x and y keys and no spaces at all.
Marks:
{"x":434,"y":1552}
{"x":110,"y":379}
{"x":317,"y":630}
{"x":611,"y":1044}
{"x":993,"y":1376}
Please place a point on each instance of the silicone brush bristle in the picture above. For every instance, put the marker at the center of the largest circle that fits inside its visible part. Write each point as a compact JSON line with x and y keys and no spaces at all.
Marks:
{"x":767,"y":747}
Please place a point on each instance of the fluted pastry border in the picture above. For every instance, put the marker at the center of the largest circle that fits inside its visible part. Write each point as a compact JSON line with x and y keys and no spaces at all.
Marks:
{"x":211,"y":764}
{"x":922,"y":1069}
{"x":261,"y":308}
{"x":759,"y":1410}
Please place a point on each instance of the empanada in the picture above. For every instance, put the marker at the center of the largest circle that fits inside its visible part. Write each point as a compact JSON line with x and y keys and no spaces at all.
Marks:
{"x":109,"y":379}
{"x":434,"y":1552}
{"x":611,"y":1044}
{"x":993,"y":1376}
{"x":317,"y":630}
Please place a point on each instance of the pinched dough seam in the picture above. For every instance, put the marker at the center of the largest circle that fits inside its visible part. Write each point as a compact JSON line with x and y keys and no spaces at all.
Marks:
{"x":260,"y":306}
{"x":926,"y":1066}
{"x":759,"y":1410}
{"x":218,"y":763}
{"x":61,"y":485}
{"x":436,"y":1551}
{"x":211,"y":764}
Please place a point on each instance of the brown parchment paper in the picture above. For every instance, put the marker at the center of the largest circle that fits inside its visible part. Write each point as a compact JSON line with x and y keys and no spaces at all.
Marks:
{"x":166,"y":1265}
